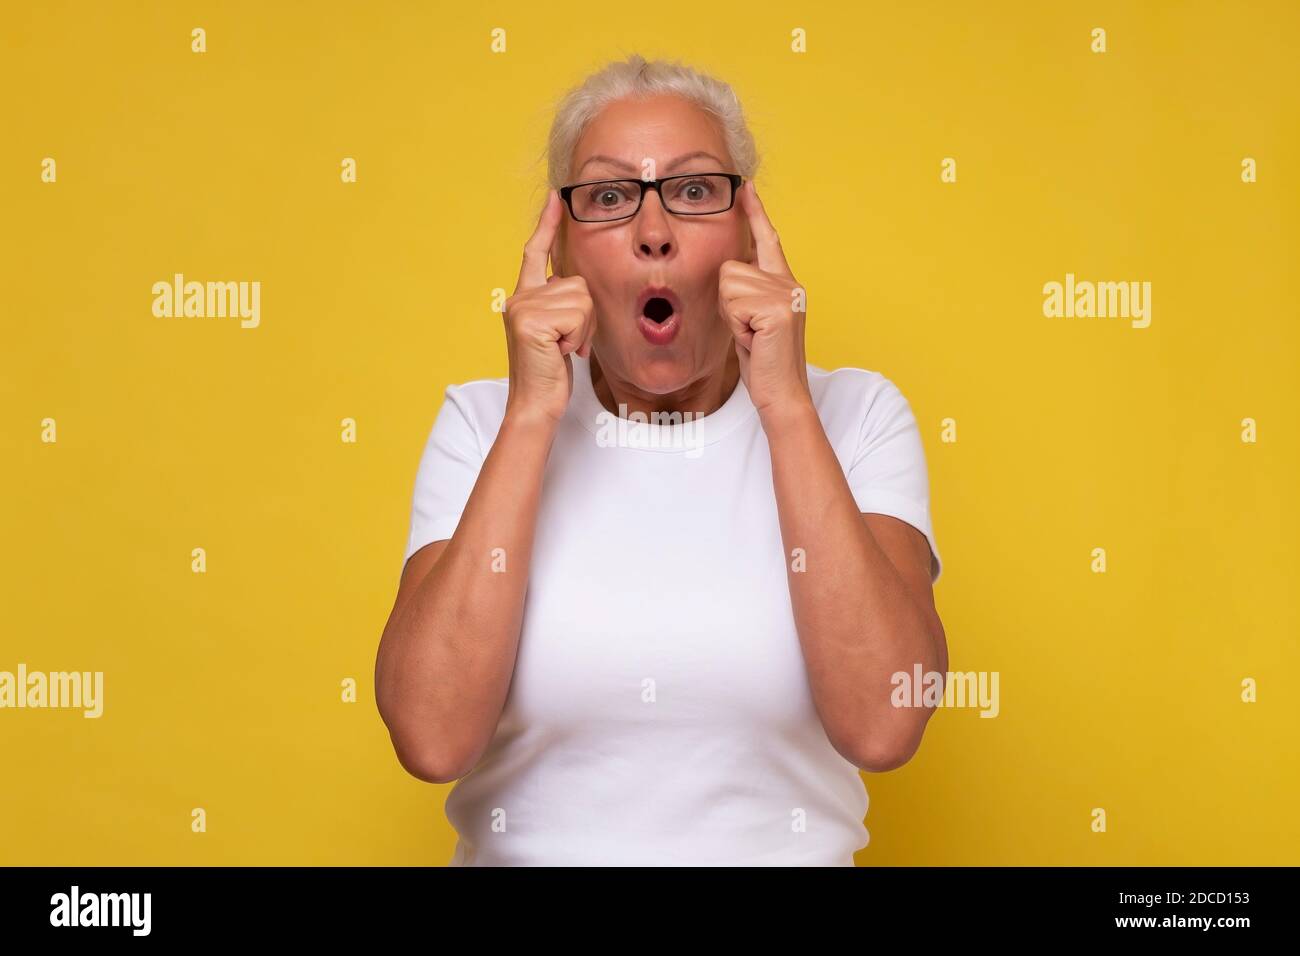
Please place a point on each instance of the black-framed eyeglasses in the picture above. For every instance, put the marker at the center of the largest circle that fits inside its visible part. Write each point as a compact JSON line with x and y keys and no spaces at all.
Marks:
{"x":690,"y":194}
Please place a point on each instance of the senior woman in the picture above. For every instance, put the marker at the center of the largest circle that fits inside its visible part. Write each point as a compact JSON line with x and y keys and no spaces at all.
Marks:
{"x":659,"y":578}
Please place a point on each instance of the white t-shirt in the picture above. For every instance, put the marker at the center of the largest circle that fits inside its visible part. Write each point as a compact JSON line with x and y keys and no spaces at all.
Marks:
{"x":660,"y":711}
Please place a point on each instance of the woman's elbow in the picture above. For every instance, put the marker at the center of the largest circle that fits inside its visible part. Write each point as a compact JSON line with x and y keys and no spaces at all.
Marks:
{"x":426,"y":763}
{"x":888,"y":749}
{"x":425,"y":756}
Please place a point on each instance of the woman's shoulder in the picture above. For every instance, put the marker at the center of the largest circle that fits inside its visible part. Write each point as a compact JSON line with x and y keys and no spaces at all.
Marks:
{"x":480,"y":388}
{"x":846,"y":377}
{"x":856,"y":396}
{"x":481,"y":401}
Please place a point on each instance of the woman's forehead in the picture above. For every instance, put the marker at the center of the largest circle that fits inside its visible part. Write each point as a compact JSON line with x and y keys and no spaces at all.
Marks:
{"x":682,"y":161}
{"x":667,"y":130}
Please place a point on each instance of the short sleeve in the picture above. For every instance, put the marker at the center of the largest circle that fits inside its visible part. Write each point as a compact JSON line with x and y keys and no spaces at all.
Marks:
{"x":449,"y":467}
{"x":888,"y":474}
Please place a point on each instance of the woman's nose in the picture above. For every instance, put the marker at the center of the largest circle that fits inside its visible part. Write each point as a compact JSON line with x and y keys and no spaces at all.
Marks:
{"x":653,"y":231}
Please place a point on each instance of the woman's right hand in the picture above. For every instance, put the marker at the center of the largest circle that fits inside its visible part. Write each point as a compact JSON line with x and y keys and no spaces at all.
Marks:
{"x":545,"y":320}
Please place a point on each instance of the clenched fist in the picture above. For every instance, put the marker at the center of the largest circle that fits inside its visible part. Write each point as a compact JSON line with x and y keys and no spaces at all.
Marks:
{"x":765,"y":308}
{"x":545,"y":320}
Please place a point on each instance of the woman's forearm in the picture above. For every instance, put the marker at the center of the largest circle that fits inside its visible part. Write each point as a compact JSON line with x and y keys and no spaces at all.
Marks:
{"x":446,"y":658}
{"x":858,"y":624}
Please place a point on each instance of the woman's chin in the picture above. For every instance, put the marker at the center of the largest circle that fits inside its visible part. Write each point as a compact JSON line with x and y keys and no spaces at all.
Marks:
{"x":662,"y":372}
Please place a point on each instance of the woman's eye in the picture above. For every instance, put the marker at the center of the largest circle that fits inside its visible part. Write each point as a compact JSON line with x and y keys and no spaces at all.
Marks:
{"x":694,"y":190}
{"x":608,"y":196}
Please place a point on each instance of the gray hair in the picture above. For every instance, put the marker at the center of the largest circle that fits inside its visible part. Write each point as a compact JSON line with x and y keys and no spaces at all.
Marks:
{"x":637,"y":78}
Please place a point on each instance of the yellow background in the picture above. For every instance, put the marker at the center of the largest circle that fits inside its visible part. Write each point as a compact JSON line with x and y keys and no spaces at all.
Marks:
{"x":222,"y":690}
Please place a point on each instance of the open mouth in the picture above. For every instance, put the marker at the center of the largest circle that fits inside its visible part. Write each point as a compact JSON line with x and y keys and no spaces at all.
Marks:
{"x":657,"y":303}
{"x":659,"y":314}
{"x":657,"y":309}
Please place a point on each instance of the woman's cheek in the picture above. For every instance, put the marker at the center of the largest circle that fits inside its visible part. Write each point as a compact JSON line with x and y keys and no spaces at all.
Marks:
{"x":607,"y":321}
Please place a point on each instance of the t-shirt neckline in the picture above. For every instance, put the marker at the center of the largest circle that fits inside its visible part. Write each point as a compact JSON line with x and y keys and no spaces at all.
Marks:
{"x":695,"y":432}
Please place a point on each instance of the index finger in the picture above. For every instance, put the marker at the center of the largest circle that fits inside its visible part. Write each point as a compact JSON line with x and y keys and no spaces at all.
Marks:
{"x":767,"y":246}
{"x":537,"y":250}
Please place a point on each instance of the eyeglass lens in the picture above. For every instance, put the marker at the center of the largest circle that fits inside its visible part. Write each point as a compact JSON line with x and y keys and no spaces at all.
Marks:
{"x":691,"y":195}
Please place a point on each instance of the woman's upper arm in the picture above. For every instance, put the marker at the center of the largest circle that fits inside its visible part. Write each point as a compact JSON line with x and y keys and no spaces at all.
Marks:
{"x":448,"y":470}
{"x":888,"y":473}
{"x":909,"y":552}
{"x":413,"y":572}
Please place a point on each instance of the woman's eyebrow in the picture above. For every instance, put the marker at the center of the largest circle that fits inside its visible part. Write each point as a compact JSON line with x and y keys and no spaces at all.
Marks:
{"x":621,"y":164}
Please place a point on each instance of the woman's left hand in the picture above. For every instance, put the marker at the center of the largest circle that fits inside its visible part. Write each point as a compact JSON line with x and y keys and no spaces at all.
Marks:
{"x":765,"y":308}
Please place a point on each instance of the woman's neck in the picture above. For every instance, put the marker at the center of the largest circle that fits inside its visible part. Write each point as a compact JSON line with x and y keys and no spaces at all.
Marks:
{"x":704,"y":396}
